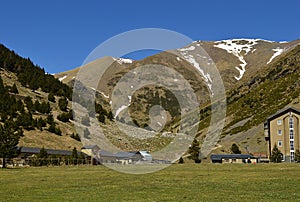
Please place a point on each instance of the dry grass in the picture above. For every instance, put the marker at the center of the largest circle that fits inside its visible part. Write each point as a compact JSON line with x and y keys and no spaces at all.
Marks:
{"x":186,"y":182}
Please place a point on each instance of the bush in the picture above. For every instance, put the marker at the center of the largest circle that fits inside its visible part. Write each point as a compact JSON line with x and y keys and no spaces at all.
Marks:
{"x":75,"y":136}
{"x":235,"y":149}
{"x":51,"y":97}
{"x":101,"y":118}
{"x":55,"y":130}
{"x":63,"y":104}
{"x":50,"y":119}
{"x":64,"y":117}
{"x":297,"y":156}
{"x":276,"y":155}
{"x":14,"y":89}
{"x":194,"y":151}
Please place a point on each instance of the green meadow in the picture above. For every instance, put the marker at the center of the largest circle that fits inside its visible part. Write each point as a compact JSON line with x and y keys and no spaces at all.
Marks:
{"x":186,"y":182}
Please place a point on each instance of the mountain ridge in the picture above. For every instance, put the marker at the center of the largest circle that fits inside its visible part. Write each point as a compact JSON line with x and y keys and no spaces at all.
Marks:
{"x":231,"y":57}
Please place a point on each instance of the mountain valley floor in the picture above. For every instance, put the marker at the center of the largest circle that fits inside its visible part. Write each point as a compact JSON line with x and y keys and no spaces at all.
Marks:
{"x":178,"y":182}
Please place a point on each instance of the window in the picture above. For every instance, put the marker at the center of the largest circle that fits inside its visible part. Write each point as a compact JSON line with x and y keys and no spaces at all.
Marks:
{"x":291,"y":123}
{"x":279,"y":132}
{"x":279,"y":143}
{"x":292,"y":145}
{"x":279,"y":122}
{"x":291,"y":134}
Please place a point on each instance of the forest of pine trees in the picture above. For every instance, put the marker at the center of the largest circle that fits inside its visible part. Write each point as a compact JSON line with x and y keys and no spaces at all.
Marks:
{"x":30,"y":75}
{"x":19,"y":113}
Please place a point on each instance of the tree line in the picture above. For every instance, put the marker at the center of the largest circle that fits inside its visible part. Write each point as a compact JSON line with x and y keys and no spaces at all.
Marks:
{"x":30,"y":75}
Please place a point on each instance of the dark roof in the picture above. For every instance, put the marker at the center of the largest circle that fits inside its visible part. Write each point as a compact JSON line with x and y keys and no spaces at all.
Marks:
{"x":124,"y":154}
{"x":106,"y":153}
{"x":219,"y":157}
{"x":119,"y":155}
{"x":283,"y":111}
{"x":35,"y":150}
{"x":90,"y":146}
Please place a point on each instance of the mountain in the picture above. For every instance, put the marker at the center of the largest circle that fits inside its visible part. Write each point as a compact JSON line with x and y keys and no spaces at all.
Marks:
{"x":236,"y":59}
{"x":274,"y":87}
{"x":250,"y":68}
{"x":254,"y":72}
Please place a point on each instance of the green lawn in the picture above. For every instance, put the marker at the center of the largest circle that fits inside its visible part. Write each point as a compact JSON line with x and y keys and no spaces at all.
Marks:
{"x":187,"y":182}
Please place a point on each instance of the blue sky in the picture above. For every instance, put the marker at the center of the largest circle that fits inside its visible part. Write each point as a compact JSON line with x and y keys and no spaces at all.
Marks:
{"x":58,"y":35}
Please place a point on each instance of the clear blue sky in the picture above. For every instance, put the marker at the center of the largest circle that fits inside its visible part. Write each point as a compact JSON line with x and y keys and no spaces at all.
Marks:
{"x":58,"y":35}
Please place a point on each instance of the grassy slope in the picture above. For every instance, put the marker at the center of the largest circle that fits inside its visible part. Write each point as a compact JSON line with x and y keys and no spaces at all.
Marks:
{"x":186,"y":182}
{"x":273,"y":88}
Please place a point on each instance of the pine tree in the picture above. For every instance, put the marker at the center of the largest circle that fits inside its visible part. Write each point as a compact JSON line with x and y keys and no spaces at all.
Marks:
{"x":101,"y":118}
{"x":181,"y":161}
{"x":194,"y":151}
{"x":235,"y":149}
{"x":43,"y":157}
{"x":276,"y":155}
{"x":110,"y":116}
{"x":64,"y":117}
{"x":75,"y":136}
{"x":75,"y":156}
{"x":57,"y":131}
{"x":10,"y":134}
{"x":51,"y":97}
{"x":25,"y":119}
{"x":14,"y":89}
{"x":63,"y":104}
{"x":51,"y":128}
{"x":50,"y":119}
{"x":29,"y":103}
{"x":33,"y":85}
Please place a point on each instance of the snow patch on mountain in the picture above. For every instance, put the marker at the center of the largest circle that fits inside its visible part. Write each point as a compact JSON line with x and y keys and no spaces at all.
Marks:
{"x":187,"y":49}
{"x":187,"y":54}
{"x":123,"y":60}
{"x":239,"y":48}
{"x":278,"y":51}
{"x":106,"y":96}
{"x":62,"y":78}
{"x":119,"y":110}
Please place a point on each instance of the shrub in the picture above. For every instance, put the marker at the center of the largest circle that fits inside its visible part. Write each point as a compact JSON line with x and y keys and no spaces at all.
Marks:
{"x":235,"y":149}
{"x":276,"y":155}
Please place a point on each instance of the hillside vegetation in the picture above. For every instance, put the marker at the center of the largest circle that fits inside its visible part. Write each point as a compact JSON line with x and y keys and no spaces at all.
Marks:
{"x":37,"y":104}
{"x":274,"y":87}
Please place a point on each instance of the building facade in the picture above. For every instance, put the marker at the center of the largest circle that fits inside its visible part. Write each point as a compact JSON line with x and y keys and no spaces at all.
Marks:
{"x":282,"y":130}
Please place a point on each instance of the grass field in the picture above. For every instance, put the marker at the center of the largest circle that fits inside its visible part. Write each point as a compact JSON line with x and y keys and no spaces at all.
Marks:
{"x":186,"y":182}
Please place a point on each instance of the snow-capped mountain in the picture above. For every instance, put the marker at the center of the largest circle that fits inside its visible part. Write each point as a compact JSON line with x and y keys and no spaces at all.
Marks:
{"x":241,"y":63}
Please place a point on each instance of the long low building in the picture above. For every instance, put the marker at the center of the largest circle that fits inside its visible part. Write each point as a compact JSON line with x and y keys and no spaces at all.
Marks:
{"x":28,"y":151}
{"x":233,"y":158}
{"x":124,"y":157}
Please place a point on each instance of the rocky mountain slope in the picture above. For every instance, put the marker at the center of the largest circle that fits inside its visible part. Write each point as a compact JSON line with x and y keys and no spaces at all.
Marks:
{"x":253,"y":71}
{"x":249,"y":69}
